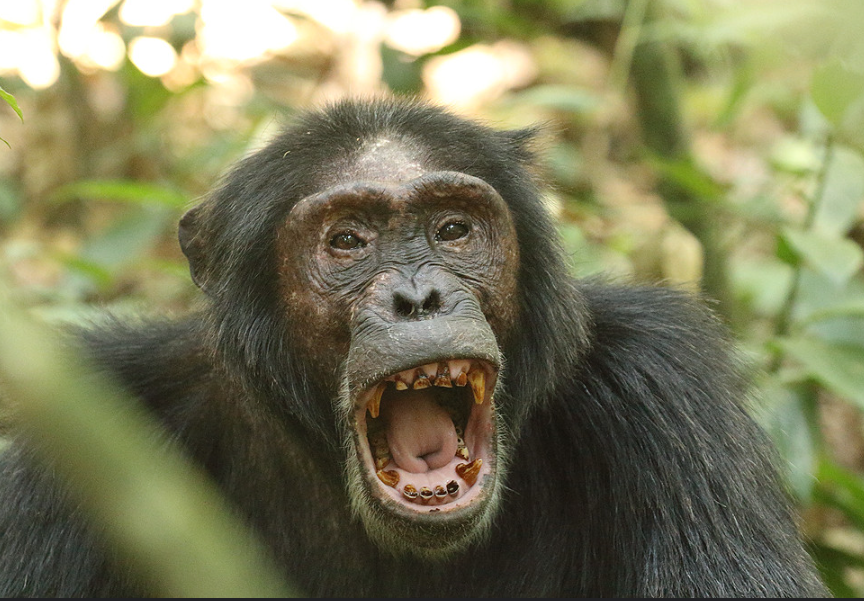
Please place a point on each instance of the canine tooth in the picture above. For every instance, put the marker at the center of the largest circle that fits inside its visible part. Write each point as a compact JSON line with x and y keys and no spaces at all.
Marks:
{"x":452,"y":487}
{"x":374,"y":404}
{"x":440,"y":491}
{"x":477,"y":378}
{"x":410,"y":491}
{"x":426,"y":493}
{"x":421,"y":382}
{"x":390,"y":477}
{"x":469,"y":471}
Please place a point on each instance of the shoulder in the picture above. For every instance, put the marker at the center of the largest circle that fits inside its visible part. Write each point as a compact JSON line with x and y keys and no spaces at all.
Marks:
{"x":156,"y":359}
{"x":655,"y":320}
{"x":662,"y":346}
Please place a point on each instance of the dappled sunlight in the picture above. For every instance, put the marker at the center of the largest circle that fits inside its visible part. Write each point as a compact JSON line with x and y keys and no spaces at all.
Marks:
{"x":78,"y":22}
{"x":235,"y":35}
{"x":418,"y":32}
{"x":227,"y":34}
{"x":336,"y":15}
{"x":479,"y":73}
{"x":152,"y":13}
{"x":153,"y":56}
{"x":244,"y":31}
{"x":39,"y":67}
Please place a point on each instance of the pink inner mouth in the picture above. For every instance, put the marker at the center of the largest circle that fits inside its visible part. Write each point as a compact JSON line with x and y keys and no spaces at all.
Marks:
{"x":426,"y":434}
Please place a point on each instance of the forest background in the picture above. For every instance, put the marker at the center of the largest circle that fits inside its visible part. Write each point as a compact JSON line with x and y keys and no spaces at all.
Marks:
{"x":714,"y":145}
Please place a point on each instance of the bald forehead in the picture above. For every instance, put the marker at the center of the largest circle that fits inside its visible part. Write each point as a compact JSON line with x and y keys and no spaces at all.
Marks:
{"x":382,"y":160}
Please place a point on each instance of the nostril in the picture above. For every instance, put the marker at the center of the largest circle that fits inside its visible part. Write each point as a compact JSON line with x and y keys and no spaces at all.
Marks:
{"x":432,"y":303}
{"x":404,"y":307}
{"x":416,"y":305}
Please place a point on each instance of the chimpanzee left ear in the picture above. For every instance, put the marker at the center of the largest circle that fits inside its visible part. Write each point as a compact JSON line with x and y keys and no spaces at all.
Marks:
{"x":193,"y":244}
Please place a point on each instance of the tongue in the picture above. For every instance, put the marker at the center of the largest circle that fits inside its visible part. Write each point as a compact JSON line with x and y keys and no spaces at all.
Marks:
{"x":420,"y":433}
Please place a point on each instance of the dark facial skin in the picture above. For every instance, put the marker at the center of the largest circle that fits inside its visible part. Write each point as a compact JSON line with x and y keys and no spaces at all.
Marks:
{"x":387,"y":211}
{"x":364,"y":249}
{"x":381,"y":276}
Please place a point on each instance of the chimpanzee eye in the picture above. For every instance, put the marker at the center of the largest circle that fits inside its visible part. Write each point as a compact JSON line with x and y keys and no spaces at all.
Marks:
{"x":346,"y":241}
{"x":452,"y":230}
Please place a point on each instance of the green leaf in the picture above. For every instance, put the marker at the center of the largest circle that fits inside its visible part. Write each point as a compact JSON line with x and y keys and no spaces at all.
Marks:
{"x":567,"y":165}
{"x":560,"y":98}
{"x":762,"y":283}
{"x":125,"y":240}
{"x":839,"y":367}
{"x":785,"y":417}
{"x":843,"y":192}
{"x":134,"y":192}
{"x":835,"y":88}
{"x":795,"y":155}
{"x":689,"y":176}
{"x":851,"y":484}
{"x":785,"y":252}
{"x":851,"y":308}
{"x":832,"y":564}
{"x":838,"y":259}
{"x":97,"y":273}
{"x":10,"y":100}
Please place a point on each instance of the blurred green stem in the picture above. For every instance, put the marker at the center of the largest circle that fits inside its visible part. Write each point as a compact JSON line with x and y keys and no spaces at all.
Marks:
{"x":625,"y":45}
{"x":784,"y":317}
{"x":159,"y":512}
{"x":656,"y":77}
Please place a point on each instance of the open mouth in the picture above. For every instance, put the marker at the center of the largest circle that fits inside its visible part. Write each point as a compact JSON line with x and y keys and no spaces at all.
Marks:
{"x":427,"y":434}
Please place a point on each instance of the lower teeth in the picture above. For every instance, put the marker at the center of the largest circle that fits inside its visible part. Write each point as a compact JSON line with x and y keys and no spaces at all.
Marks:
{"x":382,"y":457}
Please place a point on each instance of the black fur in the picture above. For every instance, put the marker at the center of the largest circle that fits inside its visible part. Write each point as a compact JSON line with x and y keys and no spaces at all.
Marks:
{"x":636,"y":470}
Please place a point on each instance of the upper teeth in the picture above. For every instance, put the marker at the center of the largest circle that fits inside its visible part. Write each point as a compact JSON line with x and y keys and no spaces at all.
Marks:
{"x":446,"y":374}
{"x":443,"y":374}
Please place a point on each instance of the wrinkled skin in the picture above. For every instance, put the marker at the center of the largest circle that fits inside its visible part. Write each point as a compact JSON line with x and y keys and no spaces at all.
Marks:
{"x":404,"y":268}
{"x":397,"y":382}
{"x":336,"y":293}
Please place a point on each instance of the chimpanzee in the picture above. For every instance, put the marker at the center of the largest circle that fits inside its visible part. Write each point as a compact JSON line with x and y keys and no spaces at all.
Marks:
{"x":398,"y":383}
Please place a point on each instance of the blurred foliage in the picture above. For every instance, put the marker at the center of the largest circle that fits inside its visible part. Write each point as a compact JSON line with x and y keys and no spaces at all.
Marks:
{"x":156,"y":509}
{"x":751,"y":166}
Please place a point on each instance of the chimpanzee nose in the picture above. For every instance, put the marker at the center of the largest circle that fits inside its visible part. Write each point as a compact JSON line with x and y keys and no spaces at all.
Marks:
{"x":416,"y":302}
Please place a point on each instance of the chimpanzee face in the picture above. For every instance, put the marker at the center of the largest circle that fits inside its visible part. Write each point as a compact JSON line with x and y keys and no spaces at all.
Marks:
{"x":401,"y":282}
